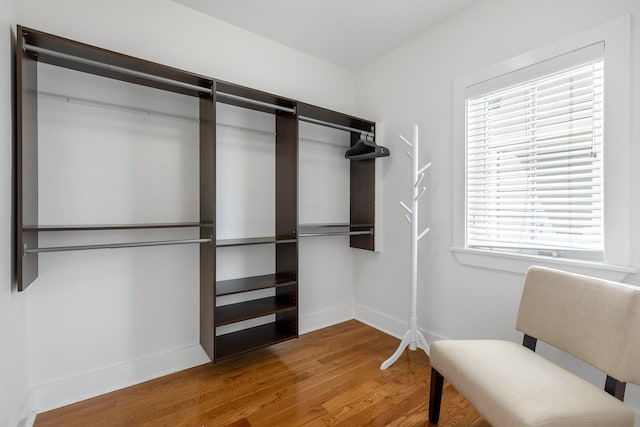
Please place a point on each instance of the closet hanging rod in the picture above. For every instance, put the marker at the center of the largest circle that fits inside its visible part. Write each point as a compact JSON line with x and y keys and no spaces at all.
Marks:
{"x":116,"y":68}
{"x":335,"y":126}
{"x":254,"y":102}
{"x":184,"y":85}
{"x":153,"y":77}
{"x":147,"y":112}
{"x":113,"y":106}
{"x":115,"y":245}
{"x":337,"y":233}
{"x":317,"y":141}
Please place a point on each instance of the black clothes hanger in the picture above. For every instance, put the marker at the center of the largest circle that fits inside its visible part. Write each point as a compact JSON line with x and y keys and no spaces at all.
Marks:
{"x":366,"y":149}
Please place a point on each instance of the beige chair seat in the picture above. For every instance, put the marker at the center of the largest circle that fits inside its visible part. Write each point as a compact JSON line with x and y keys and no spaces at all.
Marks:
{"x":511,"y":385}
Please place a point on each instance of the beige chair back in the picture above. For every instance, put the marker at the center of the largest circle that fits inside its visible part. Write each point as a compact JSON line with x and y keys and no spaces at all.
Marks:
{"x":595,"y":320}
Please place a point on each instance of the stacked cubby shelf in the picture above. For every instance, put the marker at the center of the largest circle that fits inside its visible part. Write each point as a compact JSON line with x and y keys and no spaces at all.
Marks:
{"x":282,"y":306}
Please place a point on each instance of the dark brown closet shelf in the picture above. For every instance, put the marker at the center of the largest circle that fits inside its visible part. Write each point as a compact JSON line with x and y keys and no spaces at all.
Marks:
{"x":93,"y":227}
{"x":245,"y":310}
{"x":254,"y":283}
{"x":253,"y":241}
{"x":250,"y":339}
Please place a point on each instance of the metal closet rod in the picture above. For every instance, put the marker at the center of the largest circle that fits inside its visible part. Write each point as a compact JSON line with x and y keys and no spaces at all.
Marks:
{"x":115,"y":245}
{"x":184,"y":85}
{"x":116,"y":68}
{"x":120,"y":107}
{"x":153,"y":77}
{"x":318,"y":141}
{"x":337,"y":233}
{"x":336,"y":126}
{"x":254,"y":102}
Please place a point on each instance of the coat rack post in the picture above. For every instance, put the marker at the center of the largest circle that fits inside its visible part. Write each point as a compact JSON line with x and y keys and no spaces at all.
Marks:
{"x":413,"y":338}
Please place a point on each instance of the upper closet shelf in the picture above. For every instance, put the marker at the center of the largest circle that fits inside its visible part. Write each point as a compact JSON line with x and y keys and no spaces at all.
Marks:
{"x":78,"y":56}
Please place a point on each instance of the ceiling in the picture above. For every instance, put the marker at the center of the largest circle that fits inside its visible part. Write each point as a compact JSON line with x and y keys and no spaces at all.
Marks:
{"x":348,"y":33}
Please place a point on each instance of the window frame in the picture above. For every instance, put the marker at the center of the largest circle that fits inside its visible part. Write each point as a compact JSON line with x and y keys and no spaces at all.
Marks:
{"x":615,"y":35}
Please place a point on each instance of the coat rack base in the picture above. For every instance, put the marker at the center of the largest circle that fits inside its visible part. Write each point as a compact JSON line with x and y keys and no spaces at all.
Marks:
{"x":412,"y":339}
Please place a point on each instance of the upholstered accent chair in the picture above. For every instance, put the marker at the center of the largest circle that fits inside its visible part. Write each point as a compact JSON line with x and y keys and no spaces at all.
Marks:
{"x":595,"y":320}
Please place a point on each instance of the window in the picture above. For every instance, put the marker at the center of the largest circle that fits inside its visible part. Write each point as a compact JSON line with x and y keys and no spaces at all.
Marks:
{"x":541,"y":157}
{"x":534,"y":165}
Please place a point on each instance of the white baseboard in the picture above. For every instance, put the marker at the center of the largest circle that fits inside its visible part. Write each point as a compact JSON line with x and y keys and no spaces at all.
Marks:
{"x":388,"y":324}
{"x":321,"y":319}
{"x":380,"y":321}
{"x":66,"y":391}
{"x":26,"y":415}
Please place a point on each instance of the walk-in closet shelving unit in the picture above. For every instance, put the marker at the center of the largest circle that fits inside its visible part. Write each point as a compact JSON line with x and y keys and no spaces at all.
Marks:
{"x":35,"y":46}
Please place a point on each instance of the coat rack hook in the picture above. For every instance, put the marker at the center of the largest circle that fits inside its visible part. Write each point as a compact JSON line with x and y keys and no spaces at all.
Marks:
{"x":403,"y":139}
{"x":421,"y":235}
{"x":406,"y":208}
{"x":425,"y":167}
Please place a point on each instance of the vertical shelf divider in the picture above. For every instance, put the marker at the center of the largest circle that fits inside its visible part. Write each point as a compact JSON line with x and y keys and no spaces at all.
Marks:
{"x":208,"y":214}
{"x":287,"y":217}
{"x":362,"y":198}
{"x":26,"y":161}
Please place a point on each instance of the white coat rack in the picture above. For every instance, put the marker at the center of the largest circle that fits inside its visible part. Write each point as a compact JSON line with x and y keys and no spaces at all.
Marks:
{"x":413,"y":338}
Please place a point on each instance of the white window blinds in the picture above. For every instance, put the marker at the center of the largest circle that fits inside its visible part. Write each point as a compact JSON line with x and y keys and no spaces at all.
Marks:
{"x":534,"y":165}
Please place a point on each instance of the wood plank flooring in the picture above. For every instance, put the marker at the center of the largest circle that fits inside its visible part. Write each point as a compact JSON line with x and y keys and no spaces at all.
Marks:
{"x":327,"y":377}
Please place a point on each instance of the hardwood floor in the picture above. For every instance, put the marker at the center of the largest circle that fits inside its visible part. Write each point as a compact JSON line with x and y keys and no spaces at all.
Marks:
{"x":327,"y":377}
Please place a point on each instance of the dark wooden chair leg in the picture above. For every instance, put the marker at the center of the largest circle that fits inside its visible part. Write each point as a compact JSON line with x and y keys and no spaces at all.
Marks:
{"x":529,"y":342}
{"x":615,"y":388}
{"x":435,"y":396}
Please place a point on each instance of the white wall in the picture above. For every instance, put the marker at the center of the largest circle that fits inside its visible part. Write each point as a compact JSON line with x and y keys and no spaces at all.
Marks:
{"x":172,"y":34}
{"x":14,"y":398}
{"x":95,"y":310}
{"x":100,"y":320}
{"x":326,"y":264}
{"x":414,"y":84}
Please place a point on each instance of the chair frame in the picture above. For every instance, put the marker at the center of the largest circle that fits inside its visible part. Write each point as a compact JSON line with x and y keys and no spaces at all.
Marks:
{"x":612,"y":386}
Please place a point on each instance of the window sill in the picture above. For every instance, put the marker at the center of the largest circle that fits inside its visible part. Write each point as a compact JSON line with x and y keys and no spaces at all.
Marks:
{"x":517,"y":263}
